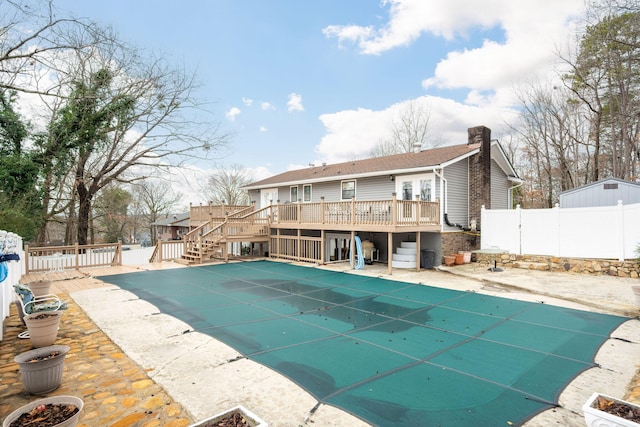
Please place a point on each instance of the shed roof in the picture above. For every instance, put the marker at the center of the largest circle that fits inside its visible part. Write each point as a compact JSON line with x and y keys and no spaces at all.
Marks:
{"x":600,"y":182}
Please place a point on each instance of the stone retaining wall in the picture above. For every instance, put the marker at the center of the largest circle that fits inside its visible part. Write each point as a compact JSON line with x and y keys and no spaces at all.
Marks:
{"x":595,"y":267}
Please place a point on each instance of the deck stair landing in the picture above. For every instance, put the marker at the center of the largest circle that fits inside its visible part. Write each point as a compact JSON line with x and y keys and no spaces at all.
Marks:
{"x":405,"y":255}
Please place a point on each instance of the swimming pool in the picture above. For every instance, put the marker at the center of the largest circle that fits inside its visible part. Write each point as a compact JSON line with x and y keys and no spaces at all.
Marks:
{"x":389,"y":352}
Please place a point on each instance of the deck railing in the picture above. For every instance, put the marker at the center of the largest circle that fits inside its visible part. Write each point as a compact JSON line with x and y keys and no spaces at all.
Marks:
{"x":69,"y":257}
{"x":204,"y":213}
{"x":357,"y":212}
{"x":167,"y":250}
{"x":296,"y":248}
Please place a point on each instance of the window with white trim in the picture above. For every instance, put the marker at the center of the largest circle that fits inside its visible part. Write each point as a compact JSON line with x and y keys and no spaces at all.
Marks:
{"x":293,"y":194}
{"x":348,"y":190}
{"x":306,"y":193}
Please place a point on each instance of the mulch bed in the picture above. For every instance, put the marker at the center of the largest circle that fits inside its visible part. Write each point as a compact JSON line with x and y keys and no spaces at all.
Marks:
{"x":618,"y":409}
{"x":45,"y":415}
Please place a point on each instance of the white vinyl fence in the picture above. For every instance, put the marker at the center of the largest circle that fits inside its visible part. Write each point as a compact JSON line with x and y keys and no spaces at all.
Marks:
{"x":607,"y":232}
{"x":10,"y":246}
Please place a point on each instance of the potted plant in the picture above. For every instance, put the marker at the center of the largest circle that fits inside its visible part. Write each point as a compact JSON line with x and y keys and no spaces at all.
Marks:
{"x":236,"y":416}
{"x":42,"y":368}
{"x":40,"y":287}
{"x":603,"y":410}
{"x":55,"y":411}
{"x":43,"y":327}
{"x":459,"y":258}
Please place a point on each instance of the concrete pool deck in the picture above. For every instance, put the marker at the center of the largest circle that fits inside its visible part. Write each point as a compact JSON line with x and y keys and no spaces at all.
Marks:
{"x":204,"y":376}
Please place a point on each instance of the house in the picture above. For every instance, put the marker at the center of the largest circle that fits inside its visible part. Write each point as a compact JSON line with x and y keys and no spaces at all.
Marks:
{"x":404,"y":206}
{"x":606,"y":192}
{"x":171,"y":226}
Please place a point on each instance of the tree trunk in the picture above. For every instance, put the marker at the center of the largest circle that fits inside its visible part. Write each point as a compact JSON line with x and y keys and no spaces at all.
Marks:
{"x":84,"y":208}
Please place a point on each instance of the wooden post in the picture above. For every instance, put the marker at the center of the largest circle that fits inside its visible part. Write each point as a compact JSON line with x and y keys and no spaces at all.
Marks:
{"x":418,"y":257}
{"x":322,"y":208}
{"x":394,"y":209}
{"x":77,"y":251}
{"x":352,"y":257}
{"x":353,"y":213}
{"x":390,"y":251}
{"x":26,"y":259}
{"x":322,"y":244}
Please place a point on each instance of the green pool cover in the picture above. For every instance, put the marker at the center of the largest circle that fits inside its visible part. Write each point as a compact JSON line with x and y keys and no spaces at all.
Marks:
{"x":388,"y":352}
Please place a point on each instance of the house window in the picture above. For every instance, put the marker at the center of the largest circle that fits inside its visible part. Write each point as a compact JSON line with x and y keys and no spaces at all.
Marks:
{"x":306,"y":193}
{"x":293,"y":194}
{"x":425,"y":190}
{"x":611,"y":186}
{"x":407,"y":190}
{"x":348,"y":190}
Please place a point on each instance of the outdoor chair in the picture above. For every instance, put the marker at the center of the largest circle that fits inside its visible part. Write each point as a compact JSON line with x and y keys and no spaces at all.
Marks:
{"x":28,"y":303}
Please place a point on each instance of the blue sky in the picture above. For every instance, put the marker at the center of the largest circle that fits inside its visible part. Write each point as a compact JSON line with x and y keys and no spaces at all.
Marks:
{"x":309,"y":81}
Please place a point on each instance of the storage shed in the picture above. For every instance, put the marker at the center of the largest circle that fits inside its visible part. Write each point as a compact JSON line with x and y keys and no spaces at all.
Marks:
{"x":605,"y":192}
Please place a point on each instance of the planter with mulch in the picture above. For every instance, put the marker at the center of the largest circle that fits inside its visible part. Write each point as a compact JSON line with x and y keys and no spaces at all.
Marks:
{"x":42,"y":368}
{"x":603,"y":410}
{"x":55,"y":411}
{"x":238,"y":416}
{"x":43,"y":327}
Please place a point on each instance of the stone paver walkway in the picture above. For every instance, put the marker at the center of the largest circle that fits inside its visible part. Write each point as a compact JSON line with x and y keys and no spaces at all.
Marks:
{"x":116,"y":391}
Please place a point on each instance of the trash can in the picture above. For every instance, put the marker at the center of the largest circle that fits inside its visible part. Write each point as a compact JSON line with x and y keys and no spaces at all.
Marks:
{"x":427,"y":258}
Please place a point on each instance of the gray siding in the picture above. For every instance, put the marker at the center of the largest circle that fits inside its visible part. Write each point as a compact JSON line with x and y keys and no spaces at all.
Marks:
{"x":372,"y":188}
{"x":457,"y":177}
{"x":499,"y":188}
{"x":596,"y":195}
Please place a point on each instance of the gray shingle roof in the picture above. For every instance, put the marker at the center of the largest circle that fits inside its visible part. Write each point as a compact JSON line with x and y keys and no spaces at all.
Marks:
{"x":373,"y":166}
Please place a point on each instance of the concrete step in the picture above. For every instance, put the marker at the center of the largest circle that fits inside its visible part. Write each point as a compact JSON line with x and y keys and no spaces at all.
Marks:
{"x":413,"y":245}
{"x":404,"y":257}
{"x":406,"y":251}
{"x":403,"y":264}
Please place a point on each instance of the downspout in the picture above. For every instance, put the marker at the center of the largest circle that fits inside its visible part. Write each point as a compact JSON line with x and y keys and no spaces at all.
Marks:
{"x":446,"y":203}
{"x":511,"y":193}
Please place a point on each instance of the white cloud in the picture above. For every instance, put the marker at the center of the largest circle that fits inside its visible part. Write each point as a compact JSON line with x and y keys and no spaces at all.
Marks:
{"x":351,"y":134}
{"x":409,"y":19}
{"x":529,"y":36}
{"x":233,"y":113}
{"x":247,"y":101}
{"x":266,"y":106}
{"x":263,"y":129}
{"x":295,"y":102}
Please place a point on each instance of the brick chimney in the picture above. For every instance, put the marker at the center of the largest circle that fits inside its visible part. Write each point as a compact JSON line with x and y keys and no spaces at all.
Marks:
{"x":479,"y":172}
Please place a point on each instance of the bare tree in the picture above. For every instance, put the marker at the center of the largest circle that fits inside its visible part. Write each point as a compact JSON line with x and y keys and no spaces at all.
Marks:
{"x":123,"y":111}
{"x":152,"y":199}
{"x":33,"y":39}
{"x":225,"y":186}
{"x":410,"y":131}
{"x":551,"y":130}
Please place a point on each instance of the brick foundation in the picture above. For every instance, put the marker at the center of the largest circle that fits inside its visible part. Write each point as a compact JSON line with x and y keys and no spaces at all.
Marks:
{"x":594,"y":267}
{"x":454,"y":242}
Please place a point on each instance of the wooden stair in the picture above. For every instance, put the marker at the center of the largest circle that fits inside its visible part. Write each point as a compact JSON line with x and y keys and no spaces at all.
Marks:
{"x":204,"y":251}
